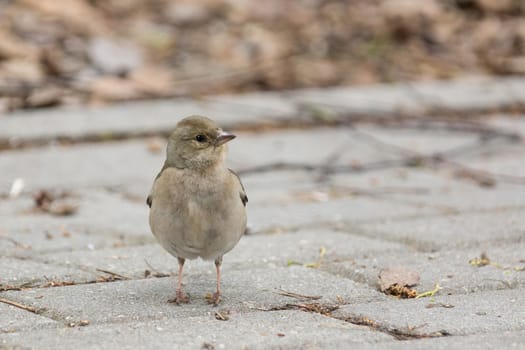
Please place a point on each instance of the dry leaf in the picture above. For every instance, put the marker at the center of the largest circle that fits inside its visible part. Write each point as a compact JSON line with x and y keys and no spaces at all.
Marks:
{"x":46,"y":97}
{"x":53,"y":204}
{"x":113,"y":89}
{"x":153,"y":80}
{"x":399,"y":276}
{"x":78,"y":15}
{"x":401,"y":291}
{"x":13,"y":47}
{"x":25,"y":71}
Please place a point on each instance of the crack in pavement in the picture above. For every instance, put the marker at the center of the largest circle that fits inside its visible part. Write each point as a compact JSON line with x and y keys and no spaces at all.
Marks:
{"x":326,"y":309}
{"x":405,"y":333}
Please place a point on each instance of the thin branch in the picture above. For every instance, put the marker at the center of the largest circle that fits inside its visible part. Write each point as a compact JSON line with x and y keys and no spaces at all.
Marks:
{"x":297,"y":296}
{"x":19,"y":305}
{"x":114,"y":274}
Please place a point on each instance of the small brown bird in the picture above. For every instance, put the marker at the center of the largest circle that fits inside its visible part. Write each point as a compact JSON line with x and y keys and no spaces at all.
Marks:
{"x":197,"y":203}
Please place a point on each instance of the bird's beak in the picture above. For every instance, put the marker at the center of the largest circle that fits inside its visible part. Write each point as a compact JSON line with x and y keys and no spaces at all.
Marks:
{"x":223,"y":137}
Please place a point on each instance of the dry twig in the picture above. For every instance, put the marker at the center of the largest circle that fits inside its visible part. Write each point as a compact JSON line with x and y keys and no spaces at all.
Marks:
{"x":297,"y":296}
{"x":19,"y":305}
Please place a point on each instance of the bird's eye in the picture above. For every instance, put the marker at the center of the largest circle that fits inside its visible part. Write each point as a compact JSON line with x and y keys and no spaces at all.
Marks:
{"x":200,"y":138}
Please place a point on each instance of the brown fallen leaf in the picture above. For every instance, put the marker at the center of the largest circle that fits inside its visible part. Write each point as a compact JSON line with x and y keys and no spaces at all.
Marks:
{"x":109,"y":88}
{"x":207,"y":346}
{"x":403,"y":292}
{"x":78,"y":16}
{"x":13,"y":47}
{"x":26,"y":71}
{"x":45,"y":97}
{"x":42,"y":198}
{"x":54,"y":204}
{"x":156,"y":81}
{"x":399,"y":276}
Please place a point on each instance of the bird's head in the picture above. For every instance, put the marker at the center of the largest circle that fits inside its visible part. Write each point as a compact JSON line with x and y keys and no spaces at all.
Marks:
{"x":197,"y":143}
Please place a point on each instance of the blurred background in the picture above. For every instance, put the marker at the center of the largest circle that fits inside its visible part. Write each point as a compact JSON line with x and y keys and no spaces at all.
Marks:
{"x":78,"y":52}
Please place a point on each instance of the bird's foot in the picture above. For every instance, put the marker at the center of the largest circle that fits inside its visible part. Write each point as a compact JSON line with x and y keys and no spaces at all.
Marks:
{"x":214,"y":299}
{"x":180,"y":298}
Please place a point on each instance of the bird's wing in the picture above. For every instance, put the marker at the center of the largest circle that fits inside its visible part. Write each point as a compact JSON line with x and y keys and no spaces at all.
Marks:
{"x":242,"y":193}
{"x":149,"y":199}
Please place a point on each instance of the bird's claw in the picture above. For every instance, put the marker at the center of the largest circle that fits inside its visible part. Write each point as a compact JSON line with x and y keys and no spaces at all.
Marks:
{"x":180,"y":298}
{"x":214,"y":299}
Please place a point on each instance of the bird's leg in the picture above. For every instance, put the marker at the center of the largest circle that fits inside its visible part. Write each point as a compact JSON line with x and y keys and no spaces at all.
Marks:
{"x":217,"y":295}
{"x":180,"y":297}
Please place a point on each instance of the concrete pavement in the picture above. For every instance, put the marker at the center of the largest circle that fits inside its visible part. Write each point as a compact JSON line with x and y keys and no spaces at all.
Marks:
{"x":342,"y":182}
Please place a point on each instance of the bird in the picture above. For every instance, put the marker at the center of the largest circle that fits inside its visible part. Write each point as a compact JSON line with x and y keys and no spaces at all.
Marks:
{"x":197,"y":204}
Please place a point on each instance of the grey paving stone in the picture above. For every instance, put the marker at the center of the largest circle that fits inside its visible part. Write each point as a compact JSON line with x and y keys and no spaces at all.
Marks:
{"x":506,"y":159}
{"x":40,"y":240}
{"x":420,"y":185}
{"x":140,"y":300}
{"x":441,"y":188}
{"x":142,"y":117}
{"x":277,"y":187}
{"x":17,"y":273}
{"x":450,"y":268}
{"x":347,"y":209}
{"x":25,"y":232}
{"x":15,"y":319}
{"x":499,"y":340}
{"x":130,"y":165}
{"x":304,"y":246}
{"x":129,"y":223}
{"x":253,"y":251}
{"x":159,"y":116}
{"x":423,"y":142}
{"x":80,"y":167}
{"x":114,"y":165}
{"x":258,"y":330}
{"x":475,"y":94}
{"x":484,"y":312}
{"x":469,"y":198}
{"x":105,"y":165}
{"x":99,"y":212}
{"x":311,"y":146}
{"x":466,"y":95}
{"x":366,"y":221}
{"x":377,"y":100}
{"x":465,"y":230}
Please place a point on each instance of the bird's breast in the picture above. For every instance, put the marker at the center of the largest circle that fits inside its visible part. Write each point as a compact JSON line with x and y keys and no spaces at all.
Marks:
{"x":196,"y":216}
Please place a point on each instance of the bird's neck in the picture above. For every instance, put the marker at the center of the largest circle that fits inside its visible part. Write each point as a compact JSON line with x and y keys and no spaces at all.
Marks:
{"x":198,"y":166}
